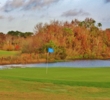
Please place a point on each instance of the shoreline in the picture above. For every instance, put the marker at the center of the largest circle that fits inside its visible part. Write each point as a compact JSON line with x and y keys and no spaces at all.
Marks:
{"x":44,"y":61}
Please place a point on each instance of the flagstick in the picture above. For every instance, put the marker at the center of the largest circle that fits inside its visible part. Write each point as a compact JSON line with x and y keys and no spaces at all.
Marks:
{"x":50,"y":50}
{"x":47,"y":64}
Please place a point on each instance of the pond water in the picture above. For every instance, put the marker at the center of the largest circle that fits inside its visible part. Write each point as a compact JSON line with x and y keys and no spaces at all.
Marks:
{"x":74,"y":64}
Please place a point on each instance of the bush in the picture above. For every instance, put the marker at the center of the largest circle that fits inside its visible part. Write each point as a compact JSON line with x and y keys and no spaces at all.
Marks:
{"x":60,"y":53}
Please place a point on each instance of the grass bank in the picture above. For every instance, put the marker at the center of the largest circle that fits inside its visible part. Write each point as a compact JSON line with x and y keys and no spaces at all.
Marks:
{"x":57,"y":84}
{"x":8,"y":53}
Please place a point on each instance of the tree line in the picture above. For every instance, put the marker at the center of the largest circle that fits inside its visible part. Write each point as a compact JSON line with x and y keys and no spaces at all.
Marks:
{"x":70,"y":40}
{"x":12,"y":40}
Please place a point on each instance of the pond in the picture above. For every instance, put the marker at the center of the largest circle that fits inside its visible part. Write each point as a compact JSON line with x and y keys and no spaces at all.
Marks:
{"x":74,"y":64}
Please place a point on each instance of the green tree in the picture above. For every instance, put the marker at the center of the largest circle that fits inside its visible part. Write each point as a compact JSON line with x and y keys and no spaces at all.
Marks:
{"x":99,"y":25}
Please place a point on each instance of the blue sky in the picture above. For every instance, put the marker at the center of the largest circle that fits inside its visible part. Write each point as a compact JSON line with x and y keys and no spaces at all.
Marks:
{"x":23,"y":15}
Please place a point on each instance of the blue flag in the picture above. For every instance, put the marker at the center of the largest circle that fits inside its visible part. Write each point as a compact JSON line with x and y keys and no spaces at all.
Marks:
{"x":50,"y":50}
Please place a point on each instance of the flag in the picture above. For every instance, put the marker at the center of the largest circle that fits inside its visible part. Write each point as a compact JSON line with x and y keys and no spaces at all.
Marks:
{"x":50,"y":50}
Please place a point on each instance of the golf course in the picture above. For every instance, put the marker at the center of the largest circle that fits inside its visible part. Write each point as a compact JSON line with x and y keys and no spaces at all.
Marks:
{"x":4,"y":53}
{"x":54,"y":50}
{"x":56,"y":84}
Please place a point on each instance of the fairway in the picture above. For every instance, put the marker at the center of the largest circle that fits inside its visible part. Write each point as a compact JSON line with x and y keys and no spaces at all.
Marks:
{"x":8,"y":53}
{"x":63,"y":83}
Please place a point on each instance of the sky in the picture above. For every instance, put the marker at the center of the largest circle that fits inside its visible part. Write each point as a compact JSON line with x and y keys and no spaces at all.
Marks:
{"x":24,"y":15}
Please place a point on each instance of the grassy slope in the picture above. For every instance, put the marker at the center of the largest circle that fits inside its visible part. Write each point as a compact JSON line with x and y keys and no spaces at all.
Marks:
{"x":63,"y":83}
{"x":7,"y":53}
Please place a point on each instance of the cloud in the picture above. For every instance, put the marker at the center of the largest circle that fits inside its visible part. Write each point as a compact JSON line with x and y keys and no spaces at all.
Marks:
{"x":107,"y":1}
{"x":26,"y":5}
{"x":34,"y":4}
{"x":13,"y":4}
{"x":74,"y":12}
{"x":10,"y":18}
{"x":106,"y":19}
{"x":2,"y":17}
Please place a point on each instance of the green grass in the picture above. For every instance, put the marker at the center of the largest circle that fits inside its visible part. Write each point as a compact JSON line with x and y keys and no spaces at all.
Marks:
{"x":98,"y":77}
{"x":77,"y":83}
{"x":8,"y":53}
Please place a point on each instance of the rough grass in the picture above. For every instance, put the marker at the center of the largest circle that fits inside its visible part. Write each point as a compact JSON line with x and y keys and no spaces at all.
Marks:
{"x":8,"y":53}
{"x":57,"y":84}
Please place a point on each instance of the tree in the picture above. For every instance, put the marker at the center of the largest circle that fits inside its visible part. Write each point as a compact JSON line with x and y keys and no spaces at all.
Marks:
{"x":28,"y":34}
{"x":2,"y":39}
{"x":99,"y":25}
